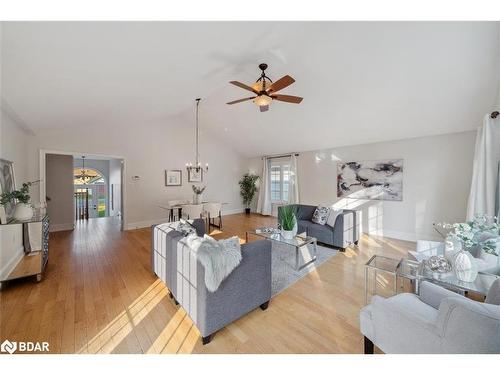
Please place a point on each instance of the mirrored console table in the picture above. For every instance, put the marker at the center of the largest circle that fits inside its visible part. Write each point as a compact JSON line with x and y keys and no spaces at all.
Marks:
{"x":32,"y":238}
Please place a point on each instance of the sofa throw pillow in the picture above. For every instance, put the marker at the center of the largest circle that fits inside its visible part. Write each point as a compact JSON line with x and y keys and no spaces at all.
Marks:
{"x":320,"y":215}
{"x":218,"y":258}
{"x":184,"y":227}
{"x":332,"y":218}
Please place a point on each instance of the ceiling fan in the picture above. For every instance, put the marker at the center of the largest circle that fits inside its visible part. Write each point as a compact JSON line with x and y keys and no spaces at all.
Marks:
{"x":265,"y":90}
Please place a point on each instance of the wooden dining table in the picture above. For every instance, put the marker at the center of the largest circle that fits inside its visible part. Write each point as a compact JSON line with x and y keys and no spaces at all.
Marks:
{"x":178,"y":207}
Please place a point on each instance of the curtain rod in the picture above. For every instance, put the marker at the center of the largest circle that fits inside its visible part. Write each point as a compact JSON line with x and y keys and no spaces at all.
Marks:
{"x":280,"y":156}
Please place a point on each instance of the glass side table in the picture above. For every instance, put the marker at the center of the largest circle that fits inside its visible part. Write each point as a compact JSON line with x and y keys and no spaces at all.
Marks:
{"x":396,"y":269}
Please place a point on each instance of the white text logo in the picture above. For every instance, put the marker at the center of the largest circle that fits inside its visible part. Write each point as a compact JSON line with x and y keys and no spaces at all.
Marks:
{"x":24,"y":346}
{"x":9,"y":347}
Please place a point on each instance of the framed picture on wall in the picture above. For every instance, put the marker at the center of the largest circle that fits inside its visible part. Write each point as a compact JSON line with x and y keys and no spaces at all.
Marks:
{"x":195,"y":176}
{"x":7,"y":185}
{"x":3,"y":216}
{"x":372,"y":179}
{"x":173,"y":177}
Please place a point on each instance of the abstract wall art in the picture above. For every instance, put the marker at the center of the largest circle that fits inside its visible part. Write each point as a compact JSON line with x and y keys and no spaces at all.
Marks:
{"x":380,"y":179}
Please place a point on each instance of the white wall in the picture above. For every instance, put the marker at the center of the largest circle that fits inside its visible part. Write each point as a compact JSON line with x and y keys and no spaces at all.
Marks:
{"x":436,"y":182}
{"x":147,"y":152}
{"x":60,"y":189}
{"x":14,"y":141}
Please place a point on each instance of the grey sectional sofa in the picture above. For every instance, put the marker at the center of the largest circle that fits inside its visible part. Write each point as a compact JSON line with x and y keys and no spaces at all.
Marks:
{"x":341,"y":235}
{"x":246,"y":288}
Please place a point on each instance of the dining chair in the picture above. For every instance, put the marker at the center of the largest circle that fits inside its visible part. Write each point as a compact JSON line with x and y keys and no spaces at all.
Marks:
{"x":192,"y":211}
{"x":213,"y":210}
{"x":172,"y":204}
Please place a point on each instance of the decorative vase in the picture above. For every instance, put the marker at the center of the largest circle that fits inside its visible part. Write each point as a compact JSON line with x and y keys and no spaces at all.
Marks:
{"x":23,"y":212}
{"x":452,"y":247}
{"x":465,"y":266}
{"x":287,"y":234}
{"x":295,"y":228}
{"x":198,"y":199}
{"x":247,"y":211}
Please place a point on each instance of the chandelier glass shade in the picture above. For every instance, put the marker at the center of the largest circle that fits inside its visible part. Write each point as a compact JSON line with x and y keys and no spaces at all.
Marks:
{"x":84,"y":176}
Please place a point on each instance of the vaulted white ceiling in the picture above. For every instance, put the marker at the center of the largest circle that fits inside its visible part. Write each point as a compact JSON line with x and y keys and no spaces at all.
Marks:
{"x":361,"y":81}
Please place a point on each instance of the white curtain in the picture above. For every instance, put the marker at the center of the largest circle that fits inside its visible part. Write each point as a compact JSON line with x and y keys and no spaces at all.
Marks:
{"x":264,"y":199}
{"x":483,"y":198}
{"x":293,"y":196}
{"x":497,"y":204}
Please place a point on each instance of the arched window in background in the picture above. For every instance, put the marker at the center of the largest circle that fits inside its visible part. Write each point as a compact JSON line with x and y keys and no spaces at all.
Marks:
{"x":90,"y":193}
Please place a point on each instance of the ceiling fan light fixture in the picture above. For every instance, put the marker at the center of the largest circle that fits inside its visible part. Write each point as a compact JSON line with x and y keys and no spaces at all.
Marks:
{"x":265,"y":90}
{"x":263,"y":100}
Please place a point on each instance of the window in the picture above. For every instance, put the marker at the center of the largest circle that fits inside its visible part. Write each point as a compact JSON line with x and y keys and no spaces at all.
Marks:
{"x":95,"y":177}
{"x":279,"y":177}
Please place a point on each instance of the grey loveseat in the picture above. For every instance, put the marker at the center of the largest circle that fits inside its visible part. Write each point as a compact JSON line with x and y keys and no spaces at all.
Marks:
{"x":246,"y":288}
{"x":341,"y":235}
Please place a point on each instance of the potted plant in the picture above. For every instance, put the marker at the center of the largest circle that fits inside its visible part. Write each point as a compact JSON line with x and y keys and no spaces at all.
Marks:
{"x":198,"y":194}
{"x":248,"y":189}
{"x":288,"y":221}
{"x":23,"y":210}
{"x":480,"y":236}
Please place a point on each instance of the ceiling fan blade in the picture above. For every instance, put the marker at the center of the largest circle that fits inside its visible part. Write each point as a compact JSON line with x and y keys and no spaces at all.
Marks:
{"x":240,"y":100}
{"x":243,"y":86}
{"x":287,"y":98}
{"x":281,"y":83}
{"x":264,"y":108}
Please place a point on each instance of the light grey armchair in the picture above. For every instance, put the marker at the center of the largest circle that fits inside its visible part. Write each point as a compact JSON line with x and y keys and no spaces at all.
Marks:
{"x":436,"y":321}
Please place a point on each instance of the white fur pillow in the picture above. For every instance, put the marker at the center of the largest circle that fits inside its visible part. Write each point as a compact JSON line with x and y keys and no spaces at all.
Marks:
{"x":218,"y":258}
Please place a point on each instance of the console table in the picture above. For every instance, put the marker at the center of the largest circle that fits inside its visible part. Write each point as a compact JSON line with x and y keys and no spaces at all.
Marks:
{"x":34,"y":243}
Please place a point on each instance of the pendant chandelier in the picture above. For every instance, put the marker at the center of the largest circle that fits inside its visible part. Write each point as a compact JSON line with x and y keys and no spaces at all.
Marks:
{"x":196,"y":167}
{"x":83,"y":174}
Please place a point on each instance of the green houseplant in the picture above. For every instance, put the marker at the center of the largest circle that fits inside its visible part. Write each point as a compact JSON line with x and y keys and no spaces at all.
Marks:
{"x":23,"y":210}
{"x":288,"y":220}
{"x":248,"y":188}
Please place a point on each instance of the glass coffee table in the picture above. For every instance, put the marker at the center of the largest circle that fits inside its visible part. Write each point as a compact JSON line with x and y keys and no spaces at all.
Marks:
{"x":297,"y":242}
{"x":481,"y":285}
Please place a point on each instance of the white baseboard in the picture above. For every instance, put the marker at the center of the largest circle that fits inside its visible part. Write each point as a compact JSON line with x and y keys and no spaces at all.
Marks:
{"x":61,"y":227}
{"x":144,"y":224}
{"x":406,"y":236}
{"x":9,"y":267}
{"x":233,"y":211}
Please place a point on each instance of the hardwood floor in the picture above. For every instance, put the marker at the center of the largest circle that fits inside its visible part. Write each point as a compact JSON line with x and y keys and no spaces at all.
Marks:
{"x":99,"y":296}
